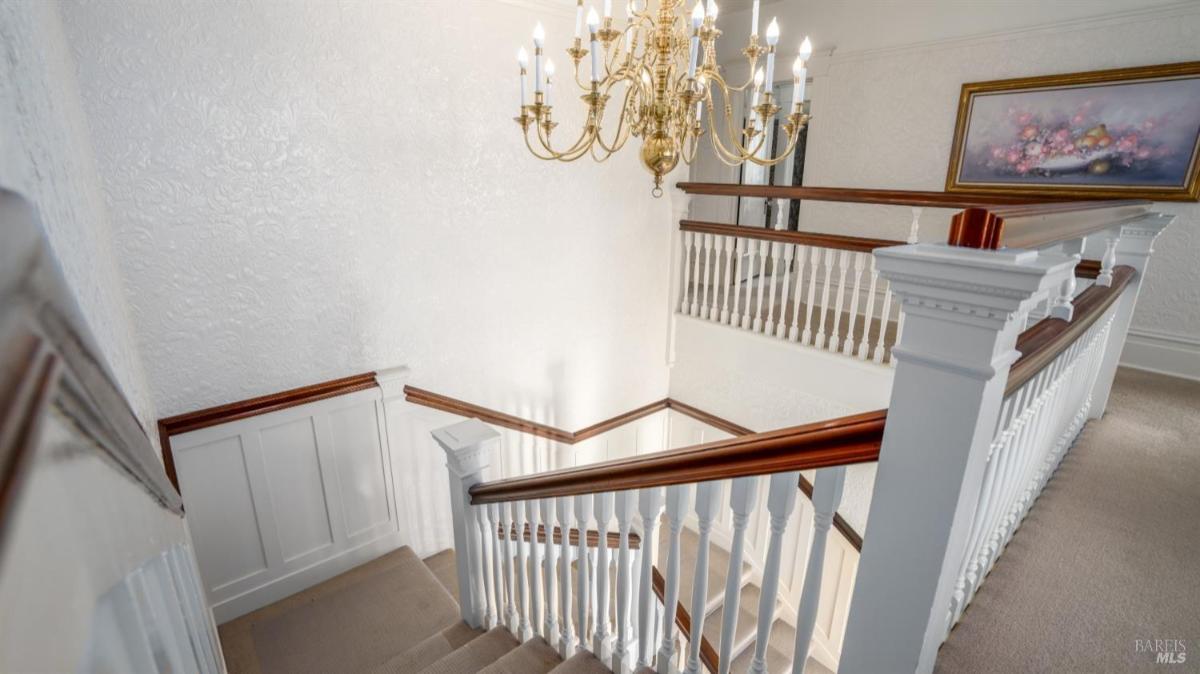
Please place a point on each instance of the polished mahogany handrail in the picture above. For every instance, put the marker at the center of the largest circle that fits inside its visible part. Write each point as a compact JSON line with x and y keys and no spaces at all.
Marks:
{"x":1041,"y":343}
{"x":1040,"y":225}
{"x":835,"y":241}
{"x":835,"y":442}
{"x":851,"y":195}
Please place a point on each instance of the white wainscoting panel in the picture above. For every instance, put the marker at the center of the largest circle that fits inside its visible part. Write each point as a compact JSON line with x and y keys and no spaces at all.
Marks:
{"x":284,"y":500}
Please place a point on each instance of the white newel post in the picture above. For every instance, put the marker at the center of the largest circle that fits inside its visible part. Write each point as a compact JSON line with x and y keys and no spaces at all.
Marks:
{"x":1130,"y":245}
{"x":964,"y":309}
{"x":468,"y":446}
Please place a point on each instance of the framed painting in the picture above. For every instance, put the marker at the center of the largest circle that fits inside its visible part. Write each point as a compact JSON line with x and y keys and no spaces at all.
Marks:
{"x":1128,"y":133}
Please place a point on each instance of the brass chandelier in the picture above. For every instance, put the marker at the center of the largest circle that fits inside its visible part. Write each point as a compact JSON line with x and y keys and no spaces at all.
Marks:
{"x":662,"y":67}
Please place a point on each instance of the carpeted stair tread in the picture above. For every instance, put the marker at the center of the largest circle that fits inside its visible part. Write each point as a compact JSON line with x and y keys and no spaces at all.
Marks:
{"x":746,"y":623}
{"x":779,"y":650}
{"x":429,"y":651}
{"x":582,"y":662}
{"x":532,"y":657}
{"x":445,"y":570}
{"x":477,"y":654}
{"x":392,"y":608}
{"x":689,"y":546}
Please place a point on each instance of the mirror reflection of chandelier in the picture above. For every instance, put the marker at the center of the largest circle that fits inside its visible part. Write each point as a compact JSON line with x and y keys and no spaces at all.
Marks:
{"x":661,"y":66}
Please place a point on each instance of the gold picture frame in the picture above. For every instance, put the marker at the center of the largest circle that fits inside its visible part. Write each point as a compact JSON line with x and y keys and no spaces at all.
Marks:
{"x":1071,"y":157}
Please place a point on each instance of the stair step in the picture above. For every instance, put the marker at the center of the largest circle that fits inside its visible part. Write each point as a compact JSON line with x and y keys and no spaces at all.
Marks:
{"x":746,"y":623}
{"x":718,"y":566}
{"x":532,"y":657}
{"x":476,"y":654}
{"x":779,"y":650}
{"x":582,"y":662}
{"x":429,"y":651}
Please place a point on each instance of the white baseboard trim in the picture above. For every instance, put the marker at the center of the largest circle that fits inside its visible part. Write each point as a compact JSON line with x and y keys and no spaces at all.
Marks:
{"x":1162,"y":352}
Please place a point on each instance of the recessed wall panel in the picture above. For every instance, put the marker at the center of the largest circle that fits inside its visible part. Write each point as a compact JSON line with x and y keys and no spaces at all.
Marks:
{"x":220,"y":511}
{"x":360,"y":466}
{"x":295,"y":482}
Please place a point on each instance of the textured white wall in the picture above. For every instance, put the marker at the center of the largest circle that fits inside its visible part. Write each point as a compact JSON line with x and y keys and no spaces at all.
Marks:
{"x":46,"y":154}
{"x":301,"y":191}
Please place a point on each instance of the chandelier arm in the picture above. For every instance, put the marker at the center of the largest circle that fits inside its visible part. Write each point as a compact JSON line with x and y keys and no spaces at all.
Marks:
{"x":742,"y":152}
{"x":577,"y":148}
{"x":793,"y":138}
{"x":622,"y":134}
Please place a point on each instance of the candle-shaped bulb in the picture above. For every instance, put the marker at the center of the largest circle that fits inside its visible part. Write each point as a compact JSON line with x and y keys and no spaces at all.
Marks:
{"x":593,"y":20}
{"x":712,"y":9}
{"x":805,"y":48}
{"x":539,"y":35}
{"x":522,"y":57}
{"x":697,"y":15}
{"x":549,"y":69}
{"x":798,"y":67}
{"x":773,"y":32}
{"x":758,"y":78}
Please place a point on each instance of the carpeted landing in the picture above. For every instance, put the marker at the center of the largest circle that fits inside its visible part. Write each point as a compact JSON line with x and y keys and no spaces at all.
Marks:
{"x":394,"y":615}
{"x":1107,"y":556}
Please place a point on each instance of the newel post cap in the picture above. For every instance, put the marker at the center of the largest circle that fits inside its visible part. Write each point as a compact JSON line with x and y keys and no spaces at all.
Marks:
{"x":981,"y":287}
{"x":468,"y":445}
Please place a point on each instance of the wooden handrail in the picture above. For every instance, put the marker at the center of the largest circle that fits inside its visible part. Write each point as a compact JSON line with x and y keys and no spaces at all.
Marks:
{"x":835,"y":241}
{"x":1040,"y":225}
{"x":683,"y":620}
{"x":835,"y":442}
{"x":859,"y":196}
{"x":1042,"y":342}
{"x":612,"y":538}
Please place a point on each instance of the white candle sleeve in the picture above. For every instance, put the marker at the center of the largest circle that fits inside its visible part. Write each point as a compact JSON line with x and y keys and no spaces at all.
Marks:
{"x":770,"y":79}
{"x":537,"y":70}
{"x":693,"y":55}
{"x":754,"y":19}
{"x":523,"y":103}
{"x":798,"y":97}
{"x":595,"y":58}
{"x":607,"y":9}
{"x":578,"y":18}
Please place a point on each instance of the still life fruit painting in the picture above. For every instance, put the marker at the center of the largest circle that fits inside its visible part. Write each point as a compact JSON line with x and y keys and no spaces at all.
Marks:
{"x":1126,"y":133}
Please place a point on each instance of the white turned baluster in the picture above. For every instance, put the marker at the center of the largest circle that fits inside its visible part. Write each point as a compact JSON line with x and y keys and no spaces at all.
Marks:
{"x":487,"y":553}
{"x":550,"y":628}
{"x":495,"y":525}
{"x":859,"y":265}
{"x":781,"y":501}
{"x":694,"y":307}
{"x":864,"y":347}
{"x":510,"y":586}
{"x":763,"y":251}
{"x":650,"y":505}
{"x":883,"y":321}
{"x":801,"y":255}
{"x":605,"y":504}
{"x":827,"y":495}
{"x":806,"y":338}
{"x":788,"y":253}
{"x":708,"y":504}
{"x":829,"y":255}
{"x":739,"y":252}
{"x":770,"y":325}
{"x":727,"y":244}
{"x":1063,"y":305}
{"x":1105,"y":278}
{"x":583,"y":518}
{"x":843,"y":267}
{"x":625,"y":507}
{"x":705,"y":310}
{"x":522,"y":566}
{"x":687,"y":260}
{"x":743,"y":494}
{"x":679,"y":502}
{"x":566,"y":632}
{"x":915,"y":227}
{"x":747,"y":308}
{"x":535,"y":570}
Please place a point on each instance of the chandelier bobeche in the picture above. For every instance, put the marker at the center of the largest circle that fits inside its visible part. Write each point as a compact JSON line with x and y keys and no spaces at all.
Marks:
{"x":667,"y":63}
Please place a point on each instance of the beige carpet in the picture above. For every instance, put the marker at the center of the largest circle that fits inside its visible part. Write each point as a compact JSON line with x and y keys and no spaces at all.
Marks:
{"x":349,"y":623}
{"x":1109,"y":554}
